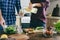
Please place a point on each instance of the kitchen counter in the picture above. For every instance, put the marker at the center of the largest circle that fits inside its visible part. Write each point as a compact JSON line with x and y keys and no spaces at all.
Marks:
{"x":51,"y":20}
{"x":51,"y":17}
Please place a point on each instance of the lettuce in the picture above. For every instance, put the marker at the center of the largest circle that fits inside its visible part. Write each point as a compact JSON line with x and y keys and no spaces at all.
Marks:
{"x":10,"y":30}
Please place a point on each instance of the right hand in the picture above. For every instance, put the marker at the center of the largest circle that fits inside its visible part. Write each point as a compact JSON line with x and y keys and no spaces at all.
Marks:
{"x":2,"y":22}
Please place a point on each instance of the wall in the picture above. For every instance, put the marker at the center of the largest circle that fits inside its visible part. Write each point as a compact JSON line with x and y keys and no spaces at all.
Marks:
{"x":25,"y":3}
{"x":52,"y":5}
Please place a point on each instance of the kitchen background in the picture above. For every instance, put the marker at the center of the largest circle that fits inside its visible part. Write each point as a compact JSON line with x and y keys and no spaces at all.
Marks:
{"x":53,"y":3}
{"x":25,"y":3}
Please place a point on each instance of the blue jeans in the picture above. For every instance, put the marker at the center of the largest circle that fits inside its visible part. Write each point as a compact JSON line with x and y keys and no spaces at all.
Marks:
{"x":1,"y":30}
{"x":37,"y":23}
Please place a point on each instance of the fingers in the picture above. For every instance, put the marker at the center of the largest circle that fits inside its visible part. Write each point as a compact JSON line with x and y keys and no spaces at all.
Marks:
{"x":21,"y":13}
{"x":4,"y":23}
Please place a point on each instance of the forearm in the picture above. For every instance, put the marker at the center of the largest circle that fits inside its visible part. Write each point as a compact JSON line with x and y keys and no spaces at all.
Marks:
{"x":0,"y":15}
{"x":2,"y":21}
{"x":37,"y":4}
{"x":42,"y":4}
{"x":0,"y":12}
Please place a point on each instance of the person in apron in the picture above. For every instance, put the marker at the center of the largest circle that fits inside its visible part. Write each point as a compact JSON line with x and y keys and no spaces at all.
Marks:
{"x":39,"y":18}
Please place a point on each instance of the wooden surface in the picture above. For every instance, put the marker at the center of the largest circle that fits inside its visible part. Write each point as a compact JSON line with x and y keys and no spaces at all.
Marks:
{"x":19,"y":36}
{"x":33,"y":37}
{"x":40,"y":37}
{"x":51,"y":20}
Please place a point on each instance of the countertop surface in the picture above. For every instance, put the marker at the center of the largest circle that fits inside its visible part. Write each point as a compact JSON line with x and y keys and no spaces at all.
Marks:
{"x":52,"y":17}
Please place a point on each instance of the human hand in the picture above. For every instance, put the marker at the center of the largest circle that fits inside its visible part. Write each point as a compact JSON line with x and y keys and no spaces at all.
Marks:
{"x":2,"y":22}
{"x":21,"y":13}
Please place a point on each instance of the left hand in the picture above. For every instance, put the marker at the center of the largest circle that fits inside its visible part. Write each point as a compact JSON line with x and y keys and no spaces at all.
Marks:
{"x":21,"y":13}
{"x":3,"y":22}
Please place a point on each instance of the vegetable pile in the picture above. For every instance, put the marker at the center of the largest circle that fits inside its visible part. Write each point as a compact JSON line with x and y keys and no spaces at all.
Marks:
{"x":10,"y":30}
{"x":57,"y":26}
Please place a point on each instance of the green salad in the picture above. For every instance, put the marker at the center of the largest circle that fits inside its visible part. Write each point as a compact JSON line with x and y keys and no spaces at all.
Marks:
{"x":10,"y":30}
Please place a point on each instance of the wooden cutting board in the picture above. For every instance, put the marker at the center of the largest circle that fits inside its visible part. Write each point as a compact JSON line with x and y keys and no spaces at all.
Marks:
{"x":19,"y":36}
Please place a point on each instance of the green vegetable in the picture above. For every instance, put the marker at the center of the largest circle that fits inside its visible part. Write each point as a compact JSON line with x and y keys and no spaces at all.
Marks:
{"x":10,"y":30}
{"x":57,"y":26}
{"x":39,"y":28}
